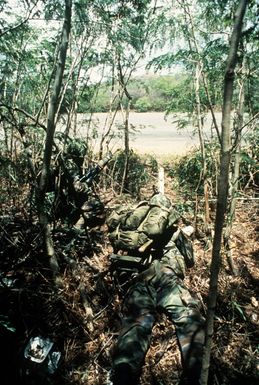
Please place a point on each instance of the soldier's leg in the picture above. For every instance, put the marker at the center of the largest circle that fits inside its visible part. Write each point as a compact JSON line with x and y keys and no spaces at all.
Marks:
{"x":190,"y":332}
{"x":183,"y":310}
{"x":134,"y":339}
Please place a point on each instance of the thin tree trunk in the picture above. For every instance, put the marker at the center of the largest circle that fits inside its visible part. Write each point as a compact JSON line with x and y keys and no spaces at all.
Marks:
{"x":124,"y":183}
{"x":52,"y":109}
{"x":192,"y":42}
{"x":223,"y":185}
{"x":123,"y":84}
{"x":109,"y":121}
{"x":234,"y":181}
{"x":202,"y":146}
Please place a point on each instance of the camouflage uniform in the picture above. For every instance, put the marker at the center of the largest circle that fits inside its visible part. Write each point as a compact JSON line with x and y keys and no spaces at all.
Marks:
{"x":159,"y":287}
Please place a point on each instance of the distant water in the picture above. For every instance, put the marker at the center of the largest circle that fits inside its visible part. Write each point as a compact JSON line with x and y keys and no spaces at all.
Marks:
{"x":151,"y":132}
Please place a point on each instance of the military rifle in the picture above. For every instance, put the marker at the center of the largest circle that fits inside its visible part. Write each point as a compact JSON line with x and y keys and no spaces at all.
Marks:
{"x":75,"y":199}
{"x":93,"y":172}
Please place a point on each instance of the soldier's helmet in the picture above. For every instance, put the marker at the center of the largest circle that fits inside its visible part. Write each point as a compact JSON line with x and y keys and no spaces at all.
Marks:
{"x":160,"y":200}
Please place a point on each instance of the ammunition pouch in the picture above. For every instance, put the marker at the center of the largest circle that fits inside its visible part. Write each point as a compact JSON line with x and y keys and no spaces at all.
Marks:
{"x":125,"y":267}
{"x":127,"y":240}
{"x":126,"y":263}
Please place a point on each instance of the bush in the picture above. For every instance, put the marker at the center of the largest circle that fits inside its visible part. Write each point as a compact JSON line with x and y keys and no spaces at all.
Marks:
{"x":188,"y":169}
{"x":148,"y":93}
{"x":140,"y":171}
{"x":143,"y":104}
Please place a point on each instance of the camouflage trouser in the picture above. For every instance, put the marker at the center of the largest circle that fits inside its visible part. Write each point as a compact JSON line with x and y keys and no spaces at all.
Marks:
{"x":158,"y":288}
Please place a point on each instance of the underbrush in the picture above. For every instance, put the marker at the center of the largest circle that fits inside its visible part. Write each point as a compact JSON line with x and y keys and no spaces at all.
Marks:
{"x":83,"y":316}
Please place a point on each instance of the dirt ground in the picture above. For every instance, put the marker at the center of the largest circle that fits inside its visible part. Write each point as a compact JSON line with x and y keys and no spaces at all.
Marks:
{"x":150,"y":132}
{"x":83,"y":316}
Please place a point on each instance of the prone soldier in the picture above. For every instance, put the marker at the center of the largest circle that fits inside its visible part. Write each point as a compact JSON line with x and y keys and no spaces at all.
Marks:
{"x":151,"y":276}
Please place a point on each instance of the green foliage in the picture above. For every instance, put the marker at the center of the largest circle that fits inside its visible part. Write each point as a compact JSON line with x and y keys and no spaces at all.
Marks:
{"x":87,"y":101}
{"x":239,"y":311}
{"x":14,"y":176}
{"x":151,"y":93}
{"x":25,"y":68}
{"x":143,"y":104}
{"x":249,"y":170}
{"x":100,"y":103}
{"x":110,"y":33}
{"x":139,"y":174}
{"x":74,"y":153}
{"x":182,"y":98}
{"x":188,"y":168}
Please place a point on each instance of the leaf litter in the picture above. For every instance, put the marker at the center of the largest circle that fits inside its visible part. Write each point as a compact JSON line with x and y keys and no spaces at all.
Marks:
{"x":83,"y":318}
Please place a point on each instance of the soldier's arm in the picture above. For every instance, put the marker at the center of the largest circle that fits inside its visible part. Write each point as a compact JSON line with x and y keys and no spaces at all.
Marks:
{"x":184,"y":245}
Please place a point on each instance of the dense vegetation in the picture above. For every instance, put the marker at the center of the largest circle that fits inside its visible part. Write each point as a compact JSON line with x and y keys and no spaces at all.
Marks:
{"x":59,"y":59}
{"x":149,"y":93}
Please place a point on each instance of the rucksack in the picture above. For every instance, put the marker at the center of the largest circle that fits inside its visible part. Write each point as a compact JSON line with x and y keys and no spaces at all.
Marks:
{"x":137,"y":228}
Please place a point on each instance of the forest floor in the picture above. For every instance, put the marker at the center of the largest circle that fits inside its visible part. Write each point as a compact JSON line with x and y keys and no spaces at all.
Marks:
{"x":83,"y":317}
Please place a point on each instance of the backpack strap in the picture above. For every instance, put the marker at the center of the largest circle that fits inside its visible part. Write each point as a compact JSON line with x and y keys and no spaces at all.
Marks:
{"x":146,"y":245}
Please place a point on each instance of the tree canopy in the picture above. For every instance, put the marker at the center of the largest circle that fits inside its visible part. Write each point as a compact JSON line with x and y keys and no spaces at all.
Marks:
{"x":60,"y":63}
